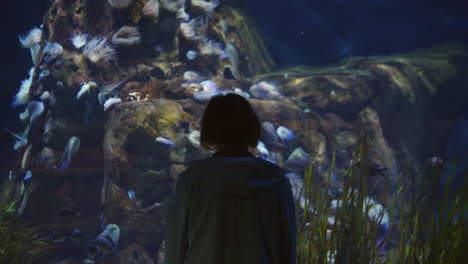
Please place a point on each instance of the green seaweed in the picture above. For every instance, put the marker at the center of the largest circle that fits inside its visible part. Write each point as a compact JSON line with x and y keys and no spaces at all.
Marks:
{"x":426,"y":227}
{"x":19,"y":243}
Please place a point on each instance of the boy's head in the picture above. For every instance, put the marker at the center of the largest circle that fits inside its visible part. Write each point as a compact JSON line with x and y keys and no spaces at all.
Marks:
{"x":229,"y":120}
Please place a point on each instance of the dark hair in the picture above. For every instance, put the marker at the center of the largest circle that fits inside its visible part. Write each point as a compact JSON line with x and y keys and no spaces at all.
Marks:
{"x":229,"y":119}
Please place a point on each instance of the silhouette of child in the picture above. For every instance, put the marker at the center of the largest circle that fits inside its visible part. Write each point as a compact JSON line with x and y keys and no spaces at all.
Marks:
{"x":232,"y":207}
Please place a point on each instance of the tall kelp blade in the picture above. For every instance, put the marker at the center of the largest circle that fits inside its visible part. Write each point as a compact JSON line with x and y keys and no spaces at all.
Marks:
{"x":18,"y":242}
{"x":426,"y":226}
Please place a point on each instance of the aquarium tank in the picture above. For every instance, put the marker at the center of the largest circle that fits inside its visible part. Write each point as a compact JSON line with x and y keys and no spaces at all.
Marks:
{"x":363,"y":103}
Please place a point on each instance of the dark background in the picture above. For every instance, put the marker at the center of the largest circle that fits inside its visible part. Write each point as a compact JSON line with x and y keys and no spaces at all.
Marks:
{"x":313,"y":32}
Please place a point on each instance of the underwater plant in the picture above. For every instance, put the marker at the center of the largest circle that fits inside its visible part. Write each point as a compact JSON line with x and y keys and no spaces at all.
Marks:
{"x":52,"y":50}
{"x":20,"y":243}
{"x":353,"y":228}
{"x":151,"y":9}
{"x":97,"y":49}
{"x":207,"y":6}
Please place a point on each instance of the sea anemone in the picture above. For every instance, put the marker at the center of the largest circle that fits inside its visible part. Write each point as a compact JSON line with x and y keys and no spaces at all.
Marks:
{"x":173,"y":5}
{"x":207,"y":6}
{"x":126,"y":36}
{"x":120,"y":4}
{"x":195,"y":29}
{"x":52,"y":50}
{"x":79,"y":40}
{"x":182,"y":15}
{"x":97,"y":49}
{"x":22,"y":96}
{"x":32,"y":38}
{"x":211,"y":47}
{"x":151,"y":9}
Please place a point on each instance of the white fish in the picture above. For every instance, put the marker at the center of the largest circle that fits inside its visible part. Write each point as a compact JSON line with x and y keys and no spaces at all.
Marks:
{"x":191,"y":55}
{"x":262,"y":149}
{"x":191,"y":76}
{"x":85,"y":88}
{"x":71,"y":149}
{"x":45,"y":96}
{"x":285,"y":134}
{"x":164,"y":141}
{"x":265,"y":90}
{"x":110,"y":102}
{"x":79,"y":40}
{"x":36,"y":109}
{"x":131,"y":194}
{"x":209,"y":86}
{"x":28,"y":176}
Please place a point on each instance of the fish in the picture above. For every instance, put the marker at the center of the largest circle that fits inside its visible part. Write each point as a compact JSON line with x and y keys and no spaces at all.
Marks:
{"x":47,"y":157}
{"x":110,"y":102}
{"x":26,"y":157}
{"x":209,"y":86}
{"x":285,"y":134}
{"x":28,"y":176}
{"x":262,"y":149}
{"x":131,"y":195}
{"x":85,"y":89}
{"x":164,"y":141}
{"x":71,"y":149}
{"x":36,"y":109}
{"x":10,"y":176}
{"x":21,"y":143}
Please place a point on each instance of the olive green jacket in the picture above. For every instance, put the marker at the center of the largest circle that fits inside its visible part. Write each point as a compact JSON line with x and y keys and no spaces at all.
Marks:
{"x":237,"y":210}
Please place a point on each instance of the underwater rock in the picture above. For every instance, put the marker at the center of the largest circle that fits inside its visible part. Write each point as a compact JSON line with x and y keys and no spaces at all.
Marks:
{"x":175,"y":170}
{"x":134,"y":253}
